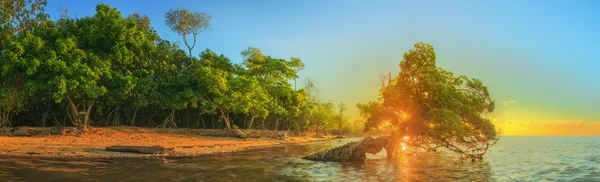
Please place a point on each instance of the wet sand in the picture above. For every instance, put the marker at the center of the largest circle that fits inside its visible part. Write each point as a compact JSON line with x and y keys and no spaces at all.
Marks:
{"x":185,"y":142}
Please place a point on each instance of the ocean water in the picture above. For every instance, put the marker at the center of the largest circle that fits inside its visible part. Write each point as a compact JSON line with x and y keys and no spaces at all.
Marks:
{"x":515,"y":158}
{"x":546,"y":158}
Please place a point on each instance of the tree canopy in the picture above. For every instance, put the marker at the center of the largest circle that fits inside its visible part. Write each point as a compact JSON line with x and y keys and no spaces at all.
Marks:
{"x":109,"y":69}
{"x":427,"y":107}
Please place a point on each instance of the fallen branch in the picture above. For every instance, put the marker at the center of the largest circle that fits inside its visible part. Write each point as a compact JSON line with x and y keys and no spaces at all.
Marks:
{"x":139,"y":149}
{"x":353,"y":151}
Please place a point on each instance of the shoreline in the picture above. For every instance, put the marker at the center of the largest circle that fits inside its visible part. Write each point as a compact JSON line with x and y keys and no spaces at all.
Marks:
{"x":184,"y":143}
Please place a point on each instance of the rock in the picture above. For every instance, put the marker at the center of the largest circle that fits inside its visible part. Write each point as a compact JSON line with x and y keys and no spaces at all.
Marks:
{"x":140,"y":149}
{"x":20,"y":131}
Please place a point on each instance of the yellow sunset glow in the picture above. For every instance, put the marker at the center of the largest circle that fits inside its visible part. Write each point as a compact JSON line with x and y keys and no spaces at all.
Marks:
{"x":528,"y":127}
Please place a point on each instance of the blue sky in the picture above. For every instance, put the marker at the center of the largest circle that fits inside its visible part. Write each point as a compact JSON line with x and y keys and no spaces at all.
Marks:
{"x":540,"y":59}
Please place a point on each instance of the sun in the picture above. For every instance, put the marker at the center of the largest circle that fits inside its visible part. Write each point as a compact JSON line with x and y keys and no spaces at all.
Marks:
{"x":403,"y":145}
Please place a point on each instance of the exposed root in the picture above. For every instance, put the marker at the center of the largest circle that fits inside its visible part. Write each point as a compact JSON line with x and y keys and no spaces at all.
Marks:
{"x":353,"y":151}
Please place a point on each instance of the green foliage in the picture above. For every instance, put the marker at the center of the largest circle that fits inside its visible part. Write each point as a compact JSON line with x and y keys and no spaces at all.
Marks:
{"x":109,"y":69}
{"x":433,"y":107}
{"x":18,"y":16}
{"x":19,"y":52}
{"x":340,"y":120}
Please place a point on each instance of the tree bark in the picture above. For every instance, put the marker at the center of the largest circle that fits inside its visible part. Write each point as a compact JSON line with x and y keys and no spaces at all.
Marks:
{"x":353,"y":151}
{"x":276,"y":123}
{"x":140,"y":149}
{"x":225,"y":118}
{"x":87,"y":117}
{"x":5,"y":118}
{"x":134,"y":115}
{"x":77,"y":120}
{"x":173,"y":118}
{"x":251,"y":121}
{"x":74,"y":112}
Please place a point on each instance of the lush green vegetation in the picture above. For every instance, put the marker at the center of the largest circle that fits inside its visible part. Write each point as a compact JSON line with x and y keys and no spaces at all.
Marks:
{"x":426,"y":107}
{"x":112,"y":70}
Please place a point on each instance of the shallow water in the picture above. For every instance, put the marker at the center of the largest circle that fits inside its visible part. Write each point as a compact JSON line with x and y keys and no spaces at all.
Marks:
{"x":513,"y":159}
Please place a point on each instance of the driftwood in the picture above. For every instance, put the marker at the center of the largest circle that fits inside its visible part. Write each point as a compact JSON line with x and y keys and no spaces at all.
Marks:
{"x":20,"y":131}
{"x":36,"y":131}
{"x":139,"y":149}
{"x":353,"y":151}
{"x":281,"y":135}
{"x":58,"y":130}
{"x":240,"y":133}
{"x":255,"y":135}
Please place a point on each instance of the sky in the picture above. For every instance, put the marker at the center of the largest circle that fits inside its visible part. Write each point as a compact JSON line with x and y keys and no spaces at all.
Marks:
{"x":539,"y":59}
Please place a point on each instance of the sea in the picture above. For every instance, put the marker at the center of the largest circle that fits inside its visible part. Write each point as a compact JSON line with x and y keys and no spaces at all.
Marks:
{"x":514,"y":158}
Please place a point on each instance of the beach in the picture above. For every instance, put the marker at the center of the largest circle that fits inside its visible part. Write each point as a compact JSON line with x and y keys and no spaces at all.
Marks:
{"x":180,"y":142}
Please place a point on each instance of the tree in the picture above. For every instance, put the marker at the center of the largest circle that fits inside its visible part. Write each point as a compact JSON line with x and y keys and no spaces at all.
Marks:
{"x":340,"y":119}
{"x":321,"y":115}
{"x":273,"y":75}
{"x":298,"y":65}
{"x":184,"y":22}
{"x":175,"y":90}
{"x":18,"y":18}
{"x":427,"y":107}
{"x":102,"y":69}
{"x":142,"y":65}
{"x":220,"y":87}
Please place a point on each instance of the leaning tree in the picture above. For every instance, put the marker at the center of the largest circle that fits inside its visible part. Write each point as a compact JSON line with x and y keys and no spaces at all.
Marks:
{"x":426,"y":108}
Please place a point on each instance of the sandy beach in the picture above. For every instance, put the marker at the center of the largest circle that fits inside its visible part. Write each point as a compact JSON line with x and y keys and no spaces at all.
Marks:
{"x":184,"y":142}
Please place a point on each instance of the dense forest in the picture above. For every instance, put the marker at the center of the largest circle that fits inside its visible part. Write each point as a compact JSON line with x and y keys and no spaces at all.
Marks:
{"x":109,"y":69}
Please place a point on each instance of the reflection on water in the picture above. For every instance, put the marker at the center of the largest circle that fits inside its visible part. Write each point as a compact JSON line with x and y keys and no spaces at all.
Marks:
{"x":514,"y":159}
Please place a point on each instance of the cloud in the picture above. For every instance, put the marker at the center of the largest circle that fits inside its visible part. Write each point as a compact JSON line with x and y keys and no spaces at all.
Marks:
{"x":506,"y":103}
{"x":524,"y":122}
{"x":495,"y":120}
{"x":578,"y":123}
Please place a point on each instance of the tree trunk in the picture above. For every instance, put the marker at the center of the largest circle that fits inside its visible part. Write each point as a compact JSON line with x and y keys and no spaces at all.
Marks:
{"x":1,"y":118}
{"x":225,"y":118}
{"x":87,"y":117}
{"x":116,"y":120}
{"x":353,"y":151}
{"x":251,"y":121}
{"x":191,"y":57}
{"x":245,"y":120}
{"x":134,"y":115}
{"x":317,"y":135}
{"x":5,"y":118}
{"x":74,"y":113}
{"x":276,"y":124}
{"x":200,"y":118}
{"x":169,"y":120}
{"x":77,"y":120}
{"x":173,"y":124}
